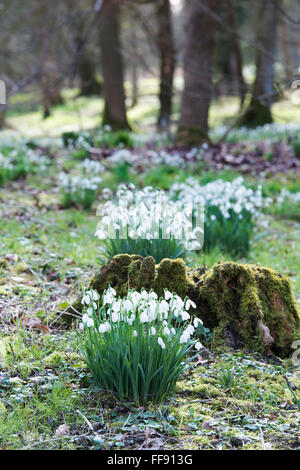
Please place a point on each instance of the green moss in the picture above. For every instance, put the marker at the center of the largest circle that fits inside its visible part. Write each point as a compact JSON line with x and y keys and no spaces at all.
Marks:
{"x":57,"y":359}
{"x":20,"y":268}
{"x":256,"y":115}
{"x":172,"y":275}
{"x":249,"y":306}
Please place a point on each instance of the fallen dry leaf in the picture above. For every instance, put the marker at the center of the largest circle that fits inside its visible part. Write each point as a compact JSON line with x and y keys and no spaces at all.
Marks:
{"x":34,"y":322}
{"x":62,"y":430}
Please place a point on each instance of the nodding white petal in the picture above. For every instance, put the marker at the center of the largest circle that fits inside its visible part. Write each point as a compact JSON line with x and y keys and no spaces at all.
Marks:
{"x":144,"y":317}
{"x":163,"y":307}
{"x":185,"y":315}
{"x":168,"y":295}
{"x":135,"y":333}
{"x":81,"y":326}
{"x":85,"y":318}
{"x":198,"y":346}
{"x":90,"y":322}
{"x":166,"y":331}
{"x":161,"y":343}
{"x":152,"y":331}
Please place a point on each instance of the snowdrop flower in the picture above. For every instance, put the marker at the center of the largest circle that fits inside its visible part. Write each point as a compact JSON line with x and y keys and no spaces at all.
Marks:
{"x":168,"y":295}
{"x":163,"y":307}
{"x":135,"y":333}
{"x":104,"y":327}
{"x":153,"y":295}
{"x":144,"y":317}
{"x":185,"y":315}
{"x":166,"y":331}
{"x":189,"y":303}
{"x":197,"y":321}
{"x":161,"y":343}
{"x":152,"y":331}
{"x":198,"y":346}
{"x":115,"y":317}
{"x":85,"y":318}
{"x":173,"y":331}
{"x":86,"y":299}
{"x":81,"y":326}
{"x":90,"y":322}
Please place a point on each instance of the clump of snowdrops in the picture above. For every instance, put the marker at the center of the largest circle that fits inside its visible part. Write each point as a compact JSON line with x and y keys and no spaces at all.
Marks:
{"x":17,"y":160}
{"x":148,"y":223}
{"x":230,"y":212}
{"x":81,"y":189}
{"x":138,"y":346}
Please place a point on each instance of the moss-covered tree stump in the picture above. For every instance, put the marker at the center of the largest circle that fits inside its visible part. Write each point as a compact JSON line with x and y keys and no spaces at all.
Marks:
{"x":245,"y":306}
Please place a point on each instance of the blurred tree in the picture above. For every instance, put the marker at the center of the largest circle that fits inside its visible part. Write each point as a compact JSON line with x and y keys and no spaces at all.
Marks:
{"x":197,"y":68}
{"x":114,"y":95}
{"x":258,"y":112}
{"x":166,"y":51}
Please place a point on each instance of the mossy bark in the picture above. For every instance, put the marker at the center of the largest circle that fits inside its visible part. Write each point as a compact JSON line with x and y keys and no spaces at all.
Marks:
{"x":191,"y":136}
{"x":245,"y":306}
{"x":257,"y":114}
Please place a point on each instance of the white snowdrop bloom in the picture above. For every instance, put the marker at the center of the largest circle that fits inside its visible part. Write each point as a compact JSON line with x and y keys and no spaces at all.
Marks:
{"x":185,"y":315}
{"x":94,"y":294}
{"x":104,"y":327}
{"x":108,"y":298}
{"x":178,"y":302}
{"x":168,"y":295}
{"x":161,"y":343}
{"x":198,"y":346}
{"x":152,"y":331}
{"x":190,"y":329}
{"x":197,"y":321}
{"x":85,"y":318}
{"x":135,"y":333}
{"x":173,"y":331}
{"x":153,"y":295}
{"x":189,"y":303}
{"x":176,"y":312}
{"x":115,"y":317}
{"x":166,"y":331}
{"x":144,"y":295}
{"x":127,"y":305}
{"x":81,"y":326}
{"x":184,"y":338}
{"x":116,"y":306}
{"x":90,"y":322}
{"x":90,"y":311}
{"x":144,"y":317}
{"x":95,"y":305}
{"x":86,"y":299}
{"x":163,"y":307}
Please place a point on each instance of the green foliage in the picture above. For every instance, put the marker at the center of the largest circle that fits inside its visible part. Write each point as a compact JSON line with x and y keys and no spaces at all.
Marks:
{"x":296,"y":148}
{"x":231,"y":235}
{"x":134,"y":357}
{"x":157,"y":248}
{"x":83,"y":197}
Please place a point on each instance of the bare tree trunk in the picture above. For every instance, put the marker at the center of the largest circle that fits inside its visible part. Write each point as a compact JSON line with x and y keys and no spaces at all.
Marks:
{"x":236,"y":50}
{"x":114,"y":95}
{"x":167,"y":61}
{"x":259,"y":111}
{"x":193,"y":125}
{"x":134,"y":63}
{"x":285,"y":46}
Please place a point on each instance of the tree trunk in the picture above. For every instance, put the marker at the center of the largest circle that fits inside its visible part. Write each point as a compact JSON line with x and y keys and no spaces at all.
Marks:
{"x":134,"y":64}
{"x":236,"y":50}
{"x":89,"y":85}
{"x":167,"y":61}
{"x":193,"y":125}
{"x":258,"y":112}
{"x":114,"y":109}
